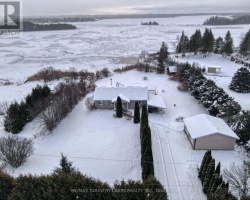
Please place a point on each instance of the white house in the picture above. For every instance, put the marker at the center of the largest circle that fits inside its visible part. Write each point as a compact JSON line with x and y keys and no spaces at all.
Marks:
{"x":208,"y":132}
{"x":106,"y":97}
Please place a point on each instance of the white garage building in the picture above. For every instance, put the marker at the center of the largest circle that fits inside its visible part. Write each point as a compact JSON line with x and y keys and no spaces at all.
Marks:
{"x":208,"y":132}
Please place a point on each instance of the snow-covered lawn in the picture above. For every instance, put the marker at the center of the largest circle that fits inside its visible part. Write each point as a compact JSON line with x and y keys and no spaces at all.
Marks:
{"x":175,"y":161}
{"x":99,"y":145}
{"x":223,"y":79}
{"x":108,"y":148}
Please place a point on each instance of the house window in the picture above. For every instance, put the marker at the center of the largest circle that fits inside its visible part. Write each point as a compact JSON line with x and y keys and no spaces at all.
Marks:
{"x":100,"y":102}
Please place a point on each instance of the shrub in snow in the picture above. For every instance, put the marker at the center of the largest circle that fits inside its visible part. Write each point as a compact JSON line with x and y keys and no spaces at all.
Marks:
{"x":89,"y":102}
{"x":6,"y":185}
{"x":241,"y":81}
{"x":15,"y":118}
{"x":15,"y":150}
{"x":66,"y":166}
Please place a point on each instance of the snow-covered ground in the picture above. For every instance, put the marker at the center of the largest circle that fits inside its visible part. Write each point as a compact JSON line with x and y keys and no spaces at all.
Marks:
{"x":99,"y":144}
{"x":109,"y":148}
{"x":94,"y":45}
{"x":223,"y":79}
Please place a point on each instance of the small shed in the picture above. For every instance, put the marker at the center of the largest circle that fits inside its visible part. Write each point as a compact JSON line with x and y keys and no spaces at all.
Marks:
{"x":172,"y":69}
{"x":214,"y":69}
{"x":208,"y":132}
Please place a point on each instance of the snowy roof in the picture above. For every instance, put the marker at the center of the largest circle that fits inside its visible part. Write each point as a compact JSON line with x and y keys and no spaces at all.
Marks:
{"x":172,"y":69}
{"x":123,"y":97}
{"x":131,"y":93}
{"x":203,"y":125}
{"x":156,"y":101}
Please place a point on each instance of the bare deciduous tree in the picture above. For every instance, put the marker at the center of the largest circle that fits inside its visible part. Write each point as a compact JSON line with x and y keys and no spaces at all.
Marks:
{"x":67,"y":95}
{"x":15,"y":150}
{"x":89,"y":102}
{"x":3,"y":107}
{"x":238,"y":178}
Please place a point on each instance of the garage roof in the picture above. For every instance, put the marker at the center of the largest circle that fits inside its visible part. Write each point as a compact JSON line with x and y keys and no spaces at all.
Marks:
{"x":204,"y":125}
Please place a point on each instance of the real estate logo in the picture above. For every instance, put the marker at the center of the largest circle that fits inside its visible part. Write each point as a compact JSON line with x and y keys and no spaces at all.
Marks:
{"x":10,"y":18}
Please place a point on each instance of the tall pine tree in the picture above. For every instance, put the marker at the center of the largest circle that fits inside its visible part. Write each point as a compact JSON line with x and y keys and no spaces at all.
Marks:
{"x":218,"y":45}
{"x":227,"y":48}
{"x":245,"y":45}
{"x":195,"y":42}
{"x":241,"y":81}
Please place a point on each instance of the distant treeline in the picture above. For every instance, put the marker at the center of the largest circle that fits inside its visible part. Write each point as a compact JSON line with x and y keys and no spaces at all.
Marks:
{"x":60,"y":20}
{"x":150,"y":23}
{"x":227,"y":21}
{"x":29,"y":26}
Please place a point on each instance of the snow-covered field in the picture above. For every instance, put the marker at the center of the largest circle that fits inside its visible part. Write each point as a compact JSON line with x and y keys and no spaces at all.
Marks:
{"x":94,"y":45}
{"x":99,"y":144}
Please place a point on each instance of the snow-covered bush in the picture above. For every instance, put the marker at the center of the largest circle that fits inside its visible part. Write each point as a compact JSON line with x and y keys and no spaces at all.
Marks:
{"x":89,"y":102}
{"x":241,"y":81}
{"x":15,"y":150}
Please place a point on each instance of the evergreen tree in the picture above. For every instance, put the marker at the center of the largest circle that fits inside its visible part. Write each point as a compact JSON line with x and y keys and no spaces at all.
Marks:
{"x":218,"y":45}
{"x":119,"y":107}
{"x":209,"y":175}
{"x":6,"y":185}
{"x":245,"y":45}
{"x":147,"y":164}
{"x":216,"y":183}
{"x":242,"y":127}
{"x":207,"y":42}
{"x":137,"y":113}
{"x":228,"y":44}
{"x":203,"y":163}
{"x":195,"y":42}
{"x":206,"y":167}
{"x":241,"y":81}
{"x":147,"y":161}
{"x":217,"y":170}
{"x":157,"y":191}
{"x":183,"y":44}
{"x":129,"y":185}
{"x":144,"y":119}
{"x":16,"y":117}
{"x":66,"y":166}
{"x":161,"y":67}
{"x":163,"y":54}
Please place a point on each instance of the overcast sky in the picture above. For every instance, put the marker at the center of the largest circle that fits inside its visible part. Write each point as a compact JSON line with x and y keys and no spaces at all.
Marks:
{"x":78,"y":7}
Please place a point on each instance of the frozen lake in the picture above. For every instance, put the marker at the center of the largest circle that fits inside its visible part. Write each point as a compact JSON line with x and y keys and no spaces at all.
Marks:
{"x":94,"y":45}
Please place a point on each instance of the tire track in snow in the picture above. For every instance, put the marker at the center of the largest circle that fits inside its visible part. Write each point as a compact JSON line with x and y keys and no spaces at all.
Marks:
{"x":163,"y":161}
{"x":168,"y":176}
